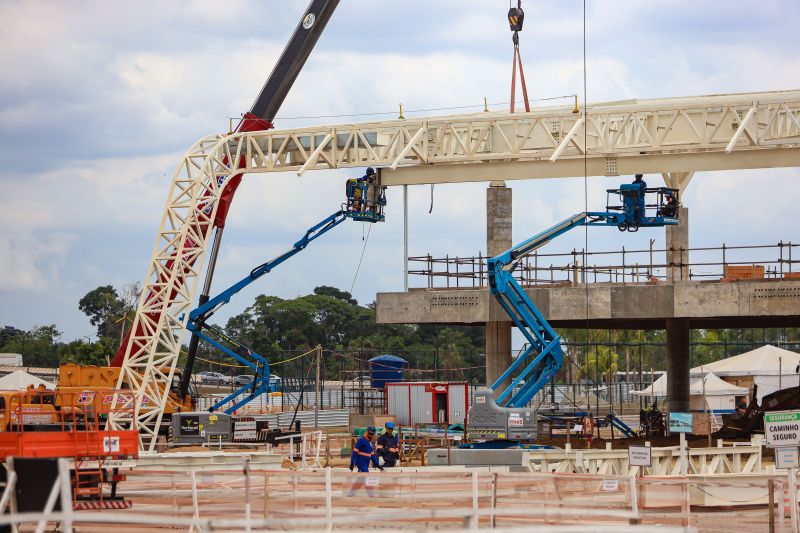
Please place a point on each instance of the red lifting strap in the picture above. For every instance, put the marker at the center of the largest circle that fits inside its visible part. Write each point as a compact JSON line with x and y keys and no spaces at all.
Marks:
{"x":518,"y":61}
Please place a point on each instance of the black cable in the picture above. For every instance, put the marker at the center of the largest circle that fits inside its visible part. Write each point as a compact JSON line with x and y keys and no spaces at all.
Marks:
{"x":360,"y":259}
{"x":385,"y":113}
{"x":586,"y":208}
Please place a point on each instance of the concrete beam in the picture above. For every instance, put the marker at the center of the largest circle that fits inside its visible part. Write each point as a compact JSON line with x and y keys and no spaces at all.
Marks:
{"x":758,"y":303}
{"x":597,"y":165}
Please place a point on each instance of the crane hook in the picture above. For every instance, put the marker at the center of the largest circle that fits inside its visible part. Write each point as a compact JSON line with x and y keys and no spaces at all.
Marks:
{"x":515,"y":18}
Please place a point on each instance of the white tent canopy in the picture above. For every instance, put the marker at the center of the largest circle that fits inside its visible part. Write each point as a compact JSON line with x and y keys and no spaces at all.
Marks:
{"x":769,"y":367}
{"x":767,"y":360}
{"x":20,"y":380}
{"x":714,"y":386}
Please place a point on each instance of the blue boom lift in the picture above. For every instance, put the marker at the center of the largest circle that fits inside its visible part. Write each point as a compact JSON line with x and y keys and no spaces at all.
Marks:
{"x":500,"y":412}
{"x":365,"y":203}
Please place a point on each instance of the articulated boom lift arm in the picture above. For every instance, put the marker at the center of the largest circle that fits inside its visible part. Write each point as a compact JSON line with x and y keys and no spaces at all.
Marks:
{"x":256,"y":362}
{"x":321,"y":228}
{"x":539,"y":363}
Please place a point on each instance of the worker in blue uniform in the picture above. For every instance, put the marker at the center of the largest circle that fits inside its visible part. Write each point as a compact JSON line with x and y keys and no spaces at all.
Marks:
{"x":361,"y":457}
{"x":363,"y":453}
{"x":639,"y":212}
{"x":388,"y":446}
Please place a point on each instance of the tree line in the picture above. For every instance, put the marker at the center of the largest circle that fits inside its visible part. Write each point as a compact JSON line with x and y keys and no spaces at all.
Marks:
{"x":281,"y":329}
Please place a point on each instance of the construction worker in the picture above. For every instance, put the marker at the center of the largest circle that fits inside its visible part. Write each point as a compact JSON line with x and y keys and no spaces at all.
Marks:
{"x":363,"y":452}
{"x":360,"y":458}
{"x":670,"y":208}
{"x":354,"y":195}
{"x":388,"y":446}
{"x":639,"y":209}
{"x":370,"y":190}
{"x":43,"y":396}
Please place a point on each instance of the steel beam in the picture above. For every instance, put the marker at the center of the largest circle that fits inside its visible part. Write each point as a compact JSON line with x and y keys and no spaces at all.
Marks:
{"x":754,"y":130}
{"x":596,"y":166}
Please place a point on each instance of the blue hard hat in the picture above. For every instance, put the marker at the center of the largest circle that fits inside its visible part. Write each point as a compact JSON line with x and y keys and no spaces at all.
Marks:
{"x":389,"y":425}
{"x":370,"y":171}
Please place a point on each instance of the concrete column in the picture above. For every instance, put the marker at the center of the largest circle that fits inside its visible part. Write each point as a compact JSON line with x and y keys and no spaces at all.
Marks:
{"x":678,"y":364}
{"x":677,"y":248}
{"x":498,"y":240}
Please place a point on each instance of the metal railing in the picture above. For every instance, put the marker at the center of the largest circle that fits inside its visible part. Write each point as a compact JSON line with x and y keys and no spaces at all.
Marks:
{"x":244,"y":499}
{"x":768,"y":261}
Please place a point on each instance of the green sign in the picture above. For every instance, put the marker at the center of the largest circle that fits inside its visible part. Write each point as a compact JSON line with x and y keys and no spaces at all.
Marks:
{"x":782,"y":428}
{"x":680,"y":422}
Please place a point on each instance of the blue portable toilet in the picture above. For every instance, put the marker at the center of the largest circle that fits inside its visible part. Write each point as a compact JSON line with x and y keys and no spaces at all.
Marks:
{"x":385,"y":369}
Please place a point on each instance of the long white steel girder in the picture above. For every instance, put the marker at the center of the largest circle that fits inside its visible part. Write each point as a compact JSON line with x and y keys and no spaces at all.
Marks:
{"x":753,"y":130}
{"x":672,"y":136}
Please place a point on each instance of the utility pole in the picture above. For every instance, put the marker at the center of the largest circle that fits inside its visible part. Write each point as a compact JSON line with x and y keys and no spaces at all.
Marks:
{"x":317,"y":389}
{"x":360,"y":382}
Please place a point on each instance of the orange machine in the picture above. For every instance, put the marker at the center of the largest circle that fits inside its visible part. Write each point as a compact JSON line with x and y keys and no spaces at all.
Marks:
{"x":94,"y":385}
{"x":28,"y":410}
{"x":44,"y":424}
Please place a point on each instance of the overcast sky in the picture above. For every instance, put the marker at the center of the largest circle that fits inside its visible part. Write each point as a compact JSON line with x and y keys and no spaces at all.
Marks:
{"x":98,"y":101}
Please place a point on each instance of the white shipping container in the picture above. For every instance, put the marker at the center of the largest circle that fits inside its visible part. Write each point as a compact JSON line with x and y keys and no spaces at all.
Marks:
{"x":10,"y":359}
{"x":427,"y":402}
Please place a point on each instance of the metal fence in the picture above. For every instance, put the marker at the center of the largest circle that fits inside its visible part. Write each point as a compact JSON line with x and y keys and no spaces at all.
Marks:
{"x":367,"y":400}
{"x":781,"y":260}
{"x":251,"y":499}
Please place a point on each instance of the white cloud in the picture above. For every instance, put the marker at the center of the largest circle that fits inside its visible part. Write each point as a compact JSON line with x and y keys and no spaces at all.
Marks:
{"x":98,"y":101}
{"x":32,"y":263}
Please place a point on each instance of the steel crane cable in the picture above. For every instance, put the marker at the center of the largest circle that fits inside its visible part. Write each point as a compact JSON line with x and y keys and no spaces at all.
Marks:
{"x":360,"y":259}
{"x":586,"y":228}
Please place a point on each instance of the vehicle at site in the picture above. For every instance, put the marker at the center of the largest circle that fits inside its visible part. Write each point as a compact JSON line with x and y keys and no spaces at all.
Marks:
{"x":243,"y":379}
{"x":750,"y":421}
{"x":58,"y":424}
{"x":80,"y":385}
{"x":212,"y":378}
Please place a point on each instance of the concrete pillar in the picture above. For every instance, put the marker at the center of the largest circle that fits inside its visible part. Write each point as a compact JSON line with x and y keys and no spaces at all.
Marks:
{"x":498,"y":240}
{"x":677,"y":248}
{"x":678,"y":364}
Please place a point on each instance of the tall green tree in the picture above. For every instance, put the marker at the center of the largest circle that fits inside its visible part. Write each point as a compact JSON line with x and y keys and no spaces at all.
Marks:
{"x":110,"y":311}
{"x":325,"y":290}
{"x":91,"y":353}
{"x":103,"y":306}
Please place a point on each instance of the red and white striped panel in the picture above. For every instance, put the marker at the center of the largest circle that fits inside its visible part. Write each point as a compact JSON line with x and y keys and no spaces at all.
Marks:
{"x":97,"y":505}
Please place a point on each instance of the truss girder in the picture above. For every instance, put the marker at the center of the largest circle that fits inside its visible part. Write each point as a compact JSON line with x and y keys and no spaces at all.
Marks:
{"x":710,"y":124}
{"x":170,"y":285}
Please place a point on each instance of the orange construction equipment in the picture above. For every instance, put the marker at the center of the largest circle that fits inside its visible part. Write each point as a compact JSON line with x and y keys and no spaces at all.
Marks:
{"x":47,"y":424}
{"x":83,"y":384}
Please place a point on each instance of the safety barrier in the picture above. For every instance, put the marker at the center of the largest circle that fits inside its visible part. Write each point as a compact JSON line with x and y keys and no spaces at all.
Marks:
{"x":207,"y":460}
{"x":665,"y":461}
{"x":243,"y":500}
